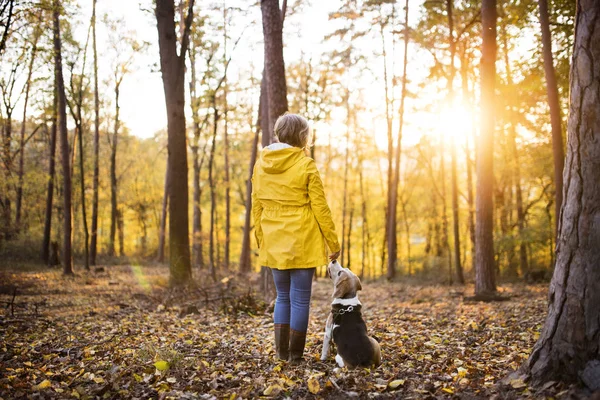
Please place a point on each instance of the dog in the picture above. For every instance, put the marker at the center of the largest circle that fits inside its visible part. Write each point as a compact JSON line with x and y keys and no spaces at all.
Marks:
{"x":345,"y":324}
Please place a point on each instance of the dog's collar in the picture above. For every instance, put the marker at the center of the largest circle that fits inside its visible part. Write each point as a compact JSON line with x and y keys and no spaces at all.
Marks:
{"x":337,"y":309}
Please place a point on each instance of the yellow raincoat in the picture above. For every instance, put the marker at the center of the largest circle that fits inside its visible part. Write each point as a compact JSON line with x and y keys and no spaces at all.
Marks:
{"x":291,"y":216}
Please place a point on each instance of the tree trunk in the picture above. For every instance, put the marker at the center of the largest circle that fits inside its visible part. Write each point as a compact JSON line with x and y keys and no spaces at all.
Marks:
{"x":64,"y":142}
{"x":79,"y":128}
{"x":390,"y":226}
{"x":8,"y":228}
{"x":567,"y":349}
{"x":346,"y":168}
{"x":173,"y":75}
{"x":197,"y":251}
{"x":50,"y":190}
{"x":227,"y":191}
{"x":485,"y":278}
{"x":163,"y":219}
{"x":245,"y":259}
{"x":213,"y":196}
{"x":272,"y":22}
{"x":275,"y":85}
{"x":121,"y":229}
{"x":393,"y":206}
{"x":366,"y":234}
{"x":445,"y":237}
{"x":554,"y":103}
{"x":469,"y":163}
{"x":96,"y":177}
{"x":226,"y":181}
{"x":113,"y":173}
{"x":19,"y":205}
{"x":348,"y":238}
{"x":455,"y":222}
{"x":454,"y":180}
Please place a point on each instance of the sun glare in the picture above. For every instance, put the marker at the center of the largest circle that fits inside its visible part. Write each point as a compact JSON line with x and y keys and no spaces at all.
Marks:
{"x":456,"y":122}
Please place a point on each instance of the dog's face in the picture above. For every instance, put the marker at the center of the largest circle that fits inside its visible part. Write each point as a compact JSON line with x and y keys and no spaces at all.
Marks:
{"x":345,"y":282}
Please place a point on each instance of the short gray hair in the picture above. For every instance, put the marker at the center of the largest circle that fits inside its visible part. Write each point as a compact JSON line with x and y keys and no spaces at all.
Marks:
{"x":293,"y":129}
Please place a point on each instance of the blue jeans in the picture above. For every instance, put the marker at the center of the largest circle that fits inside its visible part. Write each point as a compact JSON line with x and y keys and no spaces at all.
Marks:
{"x":293,"y":297}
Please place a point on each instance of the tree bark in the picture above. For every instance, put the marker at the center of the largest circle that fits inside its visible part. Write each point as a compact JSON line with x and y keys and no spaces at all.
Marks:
{"x":554,"y":104}
{"x":245,"y":259}
{"x":276,"y":88}
{"x":454,"y":179}
{"x":64,"y":142}
{"x":464,"y":72}
{"x":568,"y":349}
{"x":213,"y":196}
{"x":79,"y":128}
{"x":113,"y":171}
{"x":173,"y":75}
{"x":96,"y":177}
{"x":393,"y":206}
{"x":272,"y":22}
{"x":344,"y":260}
{"x":51,"y":176}
{"x":226,"y":181}
{"x":485,"y":278}
{"x":163,"y":219}
{"x":19,"y":203}
{"x":197,"y":251}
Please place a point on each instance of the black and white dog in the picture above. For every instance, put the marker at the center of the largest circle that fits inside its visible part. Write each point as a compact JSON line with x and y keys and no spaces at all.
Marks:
{"x":345,"y":324}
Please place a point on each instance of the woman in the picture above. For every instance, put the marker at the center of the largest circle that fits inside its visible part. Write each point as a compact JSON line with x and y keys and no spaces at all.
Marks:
{"x":293,"y":225}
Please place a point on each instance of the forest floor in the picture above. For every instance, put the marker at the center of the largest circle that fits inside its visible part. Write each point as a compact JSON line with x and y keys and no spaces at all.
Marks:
{"x":121,"y":333}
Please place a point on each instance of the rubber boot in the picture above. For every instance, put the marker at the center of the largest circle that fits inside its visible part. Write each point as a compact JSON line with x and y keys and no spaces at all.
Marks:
{"x":297,"y":342}
{"x":282,"y":341}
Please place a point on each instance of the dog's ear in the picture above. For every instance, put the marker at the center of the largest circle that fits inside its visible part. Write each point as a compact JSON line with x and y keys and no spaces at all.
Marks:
{"x":342,"y":286}
{"x":358,"y":285}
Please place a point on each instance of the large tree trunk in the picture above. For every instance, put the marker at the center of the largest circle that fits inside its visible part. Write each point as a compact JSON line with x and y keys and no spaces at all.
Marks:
{"x":553,"y":102}
{"x":96,"y":177}
{"x":569,"y":339}
{"x":50,"y":190}
{"x":276,"y":88}
{"x":19,"y":205}
{"x":172,"y":67}
{"x":485,"y":277}
{"x":64,"y":142}
{"x":272,"y":22}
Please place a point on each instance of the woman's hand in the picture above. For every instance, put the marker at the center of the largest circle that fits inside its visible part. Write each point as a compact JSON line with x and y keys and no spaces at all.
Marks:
{"x":334,"y":256}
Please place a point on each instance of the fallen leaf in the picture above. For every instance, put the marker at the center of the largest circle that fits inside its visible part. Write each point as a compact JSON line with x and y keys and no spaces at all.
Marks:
{"x":42,"y":385}
{"x":161,"y":365}
{"x":518,"y":384}
{"x":272,"y":390}
{"x":394,"y":384}
{"x":313,"y":386}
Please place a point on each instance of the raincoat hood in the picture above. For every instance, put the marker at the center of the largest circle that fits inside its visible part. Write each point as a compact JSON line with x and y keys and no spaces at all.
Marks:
{"x":279,"y":161}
